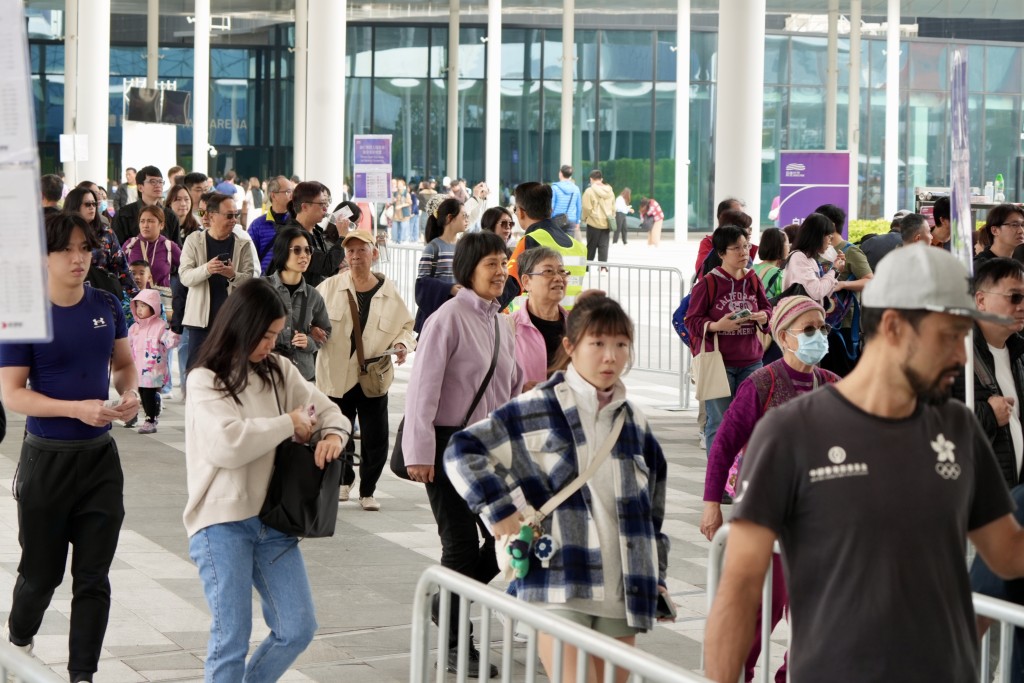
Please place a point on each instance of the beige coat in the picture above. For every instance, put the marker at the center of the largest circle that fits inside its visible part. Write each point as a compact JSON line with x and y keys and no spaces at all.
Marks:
{"x":194,"y":275}
{"x":390,"y":323}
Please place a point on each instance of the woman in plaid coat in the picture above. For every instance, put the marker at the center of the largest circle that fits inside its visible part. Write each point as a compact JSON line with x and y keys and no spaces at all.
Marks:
{"x":602,"y":556}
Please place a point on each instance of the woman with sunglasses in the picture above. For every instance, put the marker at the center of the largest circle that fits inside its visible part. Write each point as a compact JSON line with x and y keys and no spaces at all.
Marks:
{"x":303,"y":304}
{"x":108,"y":257}
{"x":798,"y":327}
{"x":499,"y":221}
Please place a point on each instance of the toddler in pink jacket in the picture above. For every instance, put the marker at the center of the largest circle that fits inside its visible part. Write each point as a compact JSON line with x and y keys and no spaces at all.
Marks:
{"x":151,"y":340}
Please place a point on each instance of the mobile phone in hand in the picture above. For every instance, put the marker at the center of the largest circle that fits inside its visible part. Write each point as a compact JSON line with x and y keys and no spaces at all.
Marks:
{"x":224,"y":258}
{"x":741,"y":314}
{"x":665,"y":608}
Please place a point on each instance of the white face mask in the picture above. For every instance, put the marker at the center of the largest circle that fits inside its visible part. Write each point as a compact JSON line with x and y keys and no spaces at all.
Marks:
{"x":829,"y":254}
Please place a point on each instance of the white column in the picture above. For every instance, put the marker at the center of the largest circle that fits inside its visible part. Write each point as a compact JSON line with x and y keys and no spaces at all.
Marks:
{"x":325,"y":85}
{"x":832,"y":78}
{"x":299,"y":113}
{"x":892,"y":111}
{"x":71,"y":81}
{"x":740,"y":104}
{"x":94,"y":94}
{"x":568,"y":70}
{"x":682,"y":121}
{"x":853,"y":111}
{"x":453,"y":90}
{"x":152,"y":42}
{"x":201,"y":89}
{"x":492,"y":126}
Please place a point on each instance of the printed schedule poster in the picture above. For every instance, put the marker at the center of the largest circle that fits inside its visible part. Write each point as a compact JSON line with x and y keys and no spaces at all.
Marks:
{"x":24,"y":304}
{"x":371,"y":168}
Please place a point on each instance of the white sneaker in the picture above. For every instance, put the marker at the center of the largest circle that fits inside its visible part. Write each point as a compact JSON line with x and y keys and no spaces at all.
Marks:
{"x":27,"y":649}
{"x":344,"y":493}
{"x":369,"y":504}
{"x":702,"y":441}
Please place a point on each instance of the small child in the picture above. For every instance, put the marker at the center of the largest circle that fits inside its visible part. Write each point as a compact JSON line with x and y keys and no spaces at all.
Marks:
{"x":150,"y":340}
{"x":141,"y":273}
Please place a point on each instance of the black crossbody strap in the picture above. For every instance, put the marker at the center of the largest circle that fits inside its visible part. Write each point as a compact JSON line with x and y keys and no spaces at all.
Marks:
{"x":487,"y":377}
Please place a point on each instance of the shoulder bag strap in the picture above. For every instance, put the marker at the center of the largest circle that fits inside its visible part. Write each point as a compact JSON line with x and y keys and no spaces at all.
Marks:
{"x":305,"y":303}
{"x":358,"y":329}
{"x":576,"y":484}
{"x":487,"y":377}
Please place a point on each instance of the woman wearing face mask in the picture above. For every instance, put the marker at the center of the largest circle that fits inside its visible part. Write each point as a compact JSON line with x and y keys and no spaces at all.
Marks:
{"x":798,"y":326}
{"x":804,"y":269}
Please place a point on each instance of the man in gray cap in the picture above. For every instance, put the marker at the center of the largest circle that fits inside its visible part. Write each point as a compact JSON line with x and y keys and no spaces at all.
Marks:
{"x":872,"y":486}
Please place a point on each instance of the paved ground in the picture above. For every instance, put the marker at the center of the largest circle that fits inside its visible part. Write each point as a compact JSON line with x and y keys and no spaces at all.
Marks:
{"x":362,"y":579}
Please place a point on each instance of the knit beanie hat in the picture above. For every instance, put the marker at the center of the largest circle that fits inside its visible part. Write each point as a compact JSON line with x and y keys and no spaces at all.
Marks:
{"x":789,"y":309}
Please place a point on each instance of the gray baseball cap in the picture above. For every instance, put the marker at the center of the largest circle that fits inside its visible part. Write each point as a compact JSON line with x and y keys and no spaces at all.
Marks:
{"x":921,"y":277}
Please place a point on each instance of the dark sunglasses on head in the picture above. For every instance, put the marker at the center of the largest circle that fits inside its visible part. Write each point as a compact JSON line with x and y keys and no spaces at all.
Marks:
{"x":298,"y":251}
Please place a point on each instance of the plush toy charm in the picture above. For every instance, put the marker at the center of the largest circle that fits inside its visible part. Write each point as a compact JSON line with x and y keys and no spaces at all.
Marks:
{"x":519,"y":550}
{"x":543,"y":549}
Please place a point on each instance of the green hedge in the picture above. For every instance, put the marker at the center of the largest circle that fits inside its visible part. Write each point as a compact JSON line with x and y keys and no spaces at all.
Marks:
{"x":859,"y":228}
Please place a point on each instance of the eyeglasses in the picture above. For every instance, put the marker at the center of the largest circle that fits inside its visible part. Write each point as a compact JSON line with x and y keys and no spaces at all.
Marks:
{"x":323,"y":204}
{"x":154,"y":182}
{"x":551,"y":273}
{"x":281,"y":192}
{"x":230,"y":215}
{"x":89,"y":205}
{"x":1016,"y":298}
{"x":1016,"y":226}
{"x":299,"y":251}
{"x":810,"y":330}
{"x":506,"y":224}
{"x":744,"y":247}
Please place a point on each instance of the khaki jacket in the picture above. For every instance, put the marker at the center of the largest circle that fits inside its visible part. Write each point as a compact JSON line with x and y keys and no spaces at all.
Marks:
{"x":598,"y":204}
{"x":193,"y":274}
{"x":389,"y":323}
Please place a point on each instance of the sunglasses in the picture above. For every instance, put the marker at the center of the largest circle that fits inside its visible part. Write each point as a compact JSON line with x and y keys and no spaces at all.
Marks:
{"x":89,"y":205}
{"x":506,"y":224}
{"x":201,"y":212}
{"x":1016,"y":298}
{"x":230,"y":215}
{"x":810,"y":331}
{"x":299,"y":251}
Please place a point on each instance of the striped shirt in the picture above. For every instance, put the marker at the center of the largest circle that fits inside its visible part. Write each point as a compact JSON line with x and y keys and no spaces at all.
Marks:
{"x":436,"y":261}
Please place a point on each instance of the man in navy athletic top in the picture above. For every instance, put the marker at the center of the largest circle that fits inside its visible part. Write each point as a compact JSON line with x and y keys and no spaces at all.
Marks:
{"x":69,"y":484}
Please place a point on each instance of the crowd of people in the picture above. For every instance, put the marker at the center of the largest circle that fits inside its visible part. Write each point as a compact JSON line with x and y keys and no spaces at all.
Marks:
{"x":287,"y":332}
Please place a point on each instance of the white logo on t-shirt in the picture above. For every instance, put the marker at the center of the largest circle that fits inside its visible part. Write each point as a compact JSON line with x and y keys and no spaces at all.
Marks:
{"x":97,"y":323}
{"x":946,"y":466}
{"x":837,"y":455}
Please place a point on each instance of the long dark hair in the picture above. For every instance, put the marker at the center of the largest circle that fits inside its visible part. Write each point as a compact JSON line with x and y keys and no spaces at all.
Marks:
{"x":813,"y":231}
{"x":594,"y":313}
{"x":73,"y":203}
{"x":282,"y":244}
{"x":190,"y":224}
{"x":437,"y":221}
{"x":239,"y":327}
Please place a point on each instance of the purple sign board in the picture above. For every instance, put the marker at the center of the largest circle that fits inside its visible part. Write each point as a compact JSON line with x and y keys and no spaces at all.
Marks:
{"x":809,"y":179}
{"x":371,"y":168}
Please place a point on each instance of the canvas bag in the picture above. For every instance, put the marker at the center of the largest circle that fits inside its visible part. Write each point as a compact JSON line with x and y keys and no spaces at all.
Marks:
{"x":709,"y":370}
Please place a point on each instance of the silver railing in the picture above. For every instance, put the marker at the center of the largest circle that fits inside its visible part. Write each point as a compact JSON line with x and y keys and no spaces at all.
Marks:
{"x":649,"y":294}
{"x":18,"y":666}
{"x":644,"y":667}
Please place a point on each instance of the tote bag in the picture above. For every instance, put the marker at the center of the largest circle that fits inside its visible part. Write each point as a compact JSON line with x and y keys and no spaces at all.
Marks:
{"x":709,"y":369}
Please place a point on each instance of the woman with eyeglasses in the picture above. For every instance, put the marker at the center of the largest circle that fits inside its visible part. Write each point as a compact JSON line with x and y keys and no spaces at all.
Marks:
{"x":303,"y":304}
{"x":540,"y":324}
{"x":499,"y":221}
{"x":179,"y":201}
{"x":798,"y":326}
{"x":729,"y":303}
{"x":1005,"y":227}
{"x":108,"y":257}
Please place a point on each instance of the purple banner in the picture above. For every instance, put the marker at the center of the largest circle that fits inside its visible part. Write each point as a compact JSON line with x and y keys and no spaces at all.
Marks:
{"x":960,"y":164}
{"x":372,"y":150}
{"x":809,"y":179}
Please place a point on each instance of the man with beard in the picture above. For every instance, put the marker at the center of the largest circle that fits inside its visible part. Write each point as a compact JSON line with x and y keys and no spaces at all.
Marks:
{"x":872,"y":486}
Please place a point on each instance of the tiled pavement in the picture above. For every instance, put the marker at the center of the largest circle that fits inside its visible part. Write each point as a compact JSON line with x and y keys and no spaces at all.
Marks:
{"x":362,"y":578}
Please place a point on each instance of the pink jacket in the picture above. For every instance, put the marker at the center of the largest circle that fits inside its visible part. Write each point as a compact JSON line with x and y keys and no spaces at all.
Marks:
{"x":150,"y":341}
{"x":531,"y":352}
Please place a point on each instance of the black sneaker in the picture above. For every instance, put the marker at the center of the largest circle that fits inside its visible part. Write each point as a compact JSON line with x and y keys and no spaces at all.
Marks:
{"x":132,"y":422}
{"x":472,"y":663}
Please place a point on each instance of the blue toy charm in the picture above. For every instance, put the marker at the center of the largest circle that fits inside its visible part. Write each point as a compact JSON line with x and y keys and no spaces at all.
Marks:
{"x":543,"y":549}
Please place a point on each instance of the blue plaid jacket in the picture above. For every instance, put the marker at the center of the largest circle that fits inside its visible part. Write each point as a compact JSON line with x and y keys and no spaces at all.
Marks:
{"x":532,"y":443}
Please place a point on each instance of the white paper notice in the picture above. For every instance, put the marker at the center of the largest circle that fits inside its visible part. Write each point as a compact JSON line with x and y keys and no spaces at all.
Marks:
{"x":24,"y":305}
{"x":17,"y":137}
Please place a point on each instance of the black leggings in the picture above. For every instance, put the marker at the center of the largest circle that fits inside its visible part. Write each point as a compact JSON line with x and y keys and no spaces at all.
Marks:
{"x":150,"y":400}
{"x":620,"y":228}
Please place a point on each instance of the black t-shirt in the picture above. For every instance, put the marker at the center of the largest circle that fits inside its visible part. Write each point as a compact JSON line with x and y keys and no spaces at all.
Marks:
{"x":872,"y":515}
{"x":363,"y":300}
{"x":293,"y":288}
{"x":218,"y":283}
{"x":552,"y":331}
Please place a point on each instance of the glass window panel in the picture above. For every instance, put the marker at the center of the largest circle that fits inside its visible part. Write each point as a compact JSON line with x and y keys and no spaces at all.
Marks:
{"x":626,"y":115}
{"x":45,"y":24}
{"x":806,"y":118}
{"x":703,"y":56}
{"x":776,"y":59}
{"x":471,"y":130}
{"x":437,"y":132}
{"x":53,"y":113}
{"x":176,"y":62}
{"x":520,"y":53}
{"x":438,"y":51}
{"x":774,"y":133}
{"x":1002,"y":136}
{"x":358,"y":98}
{"x":229,"y":63}
{"x":873,"y":143}
{"x":666,"y":56}
{"x":1002,"y":70}
{"x":584,"y":145}
{"x":472,"y":52}
{"x":400,"y":108}
{"x":552,"y":125}
{"x":976,"y":123}
{"x":702,"y":167}
{"x":875,"y":49}
{"x":928,"y":70}
{"x":551,"y":64}
{"x":400,"y":51}
{"x":35,"y":53}
{"x":975,"y":68}
{"x":664,"y":185}
{"x":927,"y":153}
{"x":359,"y":51}
{"x":586,"y":55}
{"x":229,"y":111}
{"x":810,"y":60}
{"x":127,"y":61}
{"x":520,"y":131}
{"x":627,"y":55}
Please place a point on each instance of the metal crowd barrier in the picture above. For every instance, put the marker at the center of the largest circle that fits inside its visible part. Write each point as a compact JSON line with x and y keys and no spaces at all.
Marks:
{"x":644,"y":667}
{"x":1007,"y":614}
{"x":649,"y":294}
{"x":18,"y":666}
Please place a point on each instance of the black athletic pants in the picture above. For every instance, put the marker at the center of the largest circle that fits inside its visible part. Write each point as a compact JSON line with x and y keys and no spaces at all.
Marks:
{"x":373,"y":437}
{"x":196,"y":337}
{"x":68,"y":492}
{"x":597,"y":243}
{"x":620,"y":228}
{"x":150,"y":400}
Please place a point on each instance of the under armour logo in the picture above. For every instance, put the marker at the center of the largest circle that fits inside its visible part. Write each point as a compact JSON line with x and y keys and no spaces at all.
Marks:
{"x":98,"y":323}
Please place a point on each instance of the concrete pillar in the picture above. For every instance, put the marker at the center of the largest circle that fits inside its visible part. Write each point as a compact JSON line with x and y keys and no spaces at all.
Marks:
{"x":71,"y":80}
{"x":299,"y":127}
{"x":152,"y":42}
{"x":739,"y":110}
{"x":201,"y":89}
{"x":682,"y":122}
{"x":832,"y":78}
{"x":325,"y":88}
{"x":890,"y":189}
{"x":492,"y":127}
{"x":568,"y":70}
{"x":853,"y":111}
{"x":453,"y":91}
{"x":93,"y":108}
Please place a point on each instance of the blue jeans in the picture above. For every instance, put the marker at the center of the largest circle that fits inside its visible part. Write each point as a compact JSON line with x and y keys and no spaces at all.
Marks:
{"x":182,"y":358}
{"x":402,"y":232}
{"x":716,"y":407}
{"x":234,"y":557}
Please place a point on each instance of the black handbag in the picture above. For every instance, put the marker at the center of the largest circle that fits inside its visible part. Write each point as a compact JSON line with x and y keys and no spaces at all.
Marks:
{"x":302,"y":499}
{"x":397,"y":461}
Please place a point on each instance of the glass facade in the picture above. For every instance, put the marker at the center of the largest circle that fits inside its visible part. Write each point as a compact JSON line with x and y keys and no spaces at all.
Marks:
{"x":624,"y":106}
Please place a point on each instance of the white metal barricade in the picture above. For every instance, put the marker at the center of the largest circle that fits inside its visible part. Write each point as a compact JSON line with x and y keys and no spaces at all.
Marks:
{"x":16,"y":665}
{"x":644,"y":667}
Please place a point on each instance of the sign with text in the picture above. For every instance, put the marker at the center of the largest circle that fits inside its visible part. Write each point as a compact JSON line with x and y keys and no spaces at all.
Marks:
{"x":809,"y":179}
{"x":371,"y":168}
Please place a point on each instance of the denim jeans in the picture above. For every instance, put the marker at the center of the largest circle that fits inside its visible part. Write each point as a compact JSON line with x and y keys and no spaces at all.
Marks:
{"x":234,"y":557}
{"x":402,"y":232}
{"x":716,"y":407}
{"x":182,"y":358}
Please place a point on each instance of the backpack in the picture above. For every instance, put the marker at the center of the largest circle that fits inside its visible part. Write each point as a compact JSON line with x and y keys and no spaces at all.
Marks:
{"x":680,"y":314}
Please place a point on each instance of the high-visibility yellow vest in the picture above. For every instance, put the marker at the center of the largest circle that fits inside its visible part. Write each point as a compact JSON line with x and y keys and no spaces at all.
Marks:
{"x":574,"y":258}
